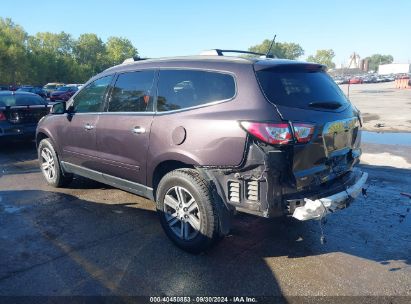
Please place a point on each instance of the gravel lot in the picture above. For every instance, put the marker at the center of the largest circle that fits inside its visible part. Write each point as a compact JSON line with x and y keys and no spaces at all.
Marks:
{"x":90,"y":239}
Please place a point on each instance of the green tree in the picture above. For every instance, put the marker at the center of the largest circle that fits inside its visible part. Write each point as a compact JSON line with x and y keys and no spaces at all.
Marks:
{"x":375,"y":60}
{"x":324,"y":57}
{"x":286,"y":50}
{"x":51,"y":57}
{"x":13,"y":54}
{"x":118,"y":49}
{"x":90,"y":53}
{"x":48,"y":57}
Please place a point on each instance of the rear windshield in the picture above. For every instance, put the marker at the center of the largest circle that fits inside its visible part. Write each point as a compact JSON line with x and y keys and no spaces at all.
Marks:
{"x":20,"y":100}
{"x":299,"y":88}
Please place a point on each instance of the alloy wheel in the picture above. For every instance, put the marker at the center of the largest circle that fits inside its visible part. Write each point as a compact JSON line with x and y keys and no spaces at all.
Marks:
{"x":47,"y":165}
{"x":182,"y":213}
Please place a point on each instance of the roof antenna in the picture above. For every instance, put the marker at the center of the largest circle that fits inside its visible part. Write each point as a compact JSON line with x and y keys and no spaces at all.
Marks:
{"x":269,"y":49}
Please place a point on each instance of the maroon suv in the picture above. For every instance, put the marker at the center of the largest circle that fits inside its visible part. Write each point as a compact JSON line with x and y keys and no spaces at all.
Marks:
{"x":207,"y":136}
{"x":63,"y":93}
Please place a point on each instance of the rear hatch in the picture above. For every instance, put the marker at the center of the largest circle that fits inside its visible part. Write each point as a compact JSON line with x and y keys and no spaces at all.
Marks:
{"x":22,"y":108}
{"x":305,"y":94}
{"x":26,"y":114}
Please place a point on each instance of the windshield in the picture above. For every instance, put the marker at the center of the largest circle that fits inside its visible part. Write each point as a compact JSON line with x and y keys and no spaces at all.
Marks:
{"x":300,"y":88}
{"x":50,"y":87}
{"x":20,"y":100}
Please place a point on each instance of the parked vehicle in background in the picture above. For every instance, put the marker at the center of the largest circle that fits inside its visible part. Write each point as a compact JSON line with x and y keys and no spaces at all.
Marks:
{"x":355,"y":80}
{"x":369,"y":79}
{"x":78,"y":85}
{"x":390,"y":77}
{"x":208,"y":136}
{"x":339,"y":80}
{"x":13,"y":87}
{"x":19,"y":114}
{"x":63,"y":93}
{"x":51,"y":87}
{"x":36,"y":90}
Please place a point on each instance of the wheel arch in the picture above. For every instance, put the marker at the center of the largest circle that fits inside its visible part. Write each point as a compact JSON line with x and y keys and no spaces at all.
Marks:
{"x":42,"y":134}
{"x":163,"y":168}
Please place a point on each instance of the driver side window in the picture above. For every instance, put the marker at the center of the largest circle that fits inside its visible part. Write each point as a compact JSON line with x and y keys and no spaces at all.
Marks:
{"x":91,"y":98}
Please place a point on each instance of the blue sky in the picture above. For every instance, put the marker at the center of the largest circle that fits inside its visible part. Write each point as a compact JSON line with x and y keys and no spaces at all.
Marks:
{"x":168,"y":28}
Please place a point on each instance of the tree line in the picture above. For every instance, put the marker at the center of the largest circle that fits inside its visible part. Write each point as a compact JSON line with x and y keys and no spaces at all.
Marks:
{"x":49,"y":57}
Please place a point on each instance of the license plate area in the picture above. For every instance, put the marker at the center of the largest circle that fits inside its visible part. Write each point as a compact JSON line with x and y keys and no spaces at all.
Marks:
{"x":339,"y":135}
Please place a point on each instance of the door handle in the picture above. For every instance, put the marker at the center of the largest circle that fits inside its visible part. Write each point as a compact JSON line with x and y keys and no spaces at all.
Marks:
{"x":88,"y":127}
{"x":138,"y":130}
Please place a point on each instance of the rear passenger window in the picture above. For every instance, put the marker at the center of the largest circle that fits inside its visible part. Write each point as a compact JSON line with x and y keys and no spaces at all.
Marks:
{"x":132,"y":92}
{"x":180,"y":89}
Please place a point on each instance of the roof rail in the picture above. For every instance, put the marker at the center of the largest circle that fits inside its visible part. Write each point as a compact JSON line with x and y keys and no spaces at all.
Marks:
{"x":219,"y":52}
{"x":133,"y":59}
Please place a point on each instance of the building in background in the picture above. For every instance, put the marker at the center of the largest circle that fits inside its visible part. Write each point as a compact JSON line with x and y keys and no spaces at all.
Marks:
{"x":394,"y":68}
{"x":354,"y":62}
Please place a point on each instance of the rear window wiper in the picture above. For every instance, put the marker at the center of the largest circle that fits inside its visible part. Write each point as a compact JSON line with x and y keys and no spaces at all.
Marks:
{"x":325,"y":104}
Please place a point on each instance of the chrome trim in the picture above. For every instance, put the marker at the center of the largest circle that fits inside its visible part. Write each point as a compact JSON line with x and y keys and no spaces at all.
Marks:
{"x":151,"y":113}
{"x":338,"y":126}
{"x":212,"y":103}
{"x":195,"y":107}
{"x":156,"y":68}
{"x":116,"y":113}
{"x":345,"y":124}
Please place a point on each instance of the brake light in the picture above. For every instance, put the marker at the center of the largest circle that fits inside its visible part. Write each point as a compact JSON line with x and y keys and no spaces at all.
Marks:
{"x":271,"y":133}
{"x":303,"y":132}
{"x":2,"y":116}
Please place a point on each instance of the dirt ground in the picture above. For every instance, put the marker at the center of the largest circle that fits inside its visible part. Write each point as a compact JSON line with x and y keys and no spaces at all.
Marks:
{"x":383,"y":107}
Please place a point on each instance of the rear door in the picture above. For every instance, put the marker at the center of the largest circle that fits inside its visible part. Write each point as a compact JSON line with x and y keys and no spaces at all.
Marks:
{"x":77,"y":130}
{"x":124,"y":129}
{"x":305,"y":93}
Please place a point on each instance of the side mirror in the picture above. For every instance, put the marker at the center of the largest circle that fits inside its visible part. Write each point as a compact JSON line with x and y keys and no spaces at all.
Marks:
{"x":59,"y":108}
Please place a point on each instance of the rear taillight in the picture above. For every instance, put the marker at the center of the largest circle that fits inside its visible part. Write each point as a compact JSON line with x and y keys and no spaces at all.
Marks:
{"x":303,"y":132}
{"x":2,"y":116}
{"x":271,"y":133}
{"x":279,"y":133}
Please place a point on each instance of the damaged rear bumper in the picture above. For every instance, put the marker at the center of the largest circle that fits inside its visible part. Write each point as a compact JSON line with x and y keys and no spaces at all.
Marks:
{"x":264,"y":185}
{"x":316,"y":209}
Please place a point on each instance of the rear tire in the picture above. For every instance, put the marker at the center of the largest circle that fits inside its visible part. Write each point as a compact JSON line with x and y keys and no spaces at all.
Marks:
{"x":188,"y":213}
{"x":50,"y":165}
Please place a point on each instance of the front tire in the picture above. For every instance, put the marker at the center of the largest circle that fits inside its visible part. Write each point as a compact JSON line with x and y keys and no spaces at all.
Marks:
{"x":188,"y":213}
{"x":50,"y":165}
